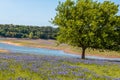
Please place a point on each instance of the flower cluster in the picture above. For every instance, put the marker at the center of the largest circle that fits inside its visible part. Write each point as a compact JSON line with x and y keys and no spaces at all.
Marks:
{"x":41,"y":67}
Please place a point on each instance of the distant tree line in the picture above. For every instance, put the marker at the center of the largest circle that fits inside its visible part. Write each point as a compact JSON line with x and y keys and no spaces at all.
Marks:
{"x":32,"y":32}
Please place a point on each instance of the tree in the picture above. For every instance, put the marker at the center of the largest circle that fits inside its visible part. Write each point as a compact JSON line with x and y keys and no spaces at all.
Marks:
{"x":86,"y":23}
{"x":31,"y":35}
{"x":23,"y":31}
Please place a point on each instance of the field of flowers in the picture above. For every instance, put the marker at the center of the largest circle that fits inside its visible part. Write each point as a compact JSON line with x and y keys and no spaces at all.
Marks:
{"x":14,"y":66}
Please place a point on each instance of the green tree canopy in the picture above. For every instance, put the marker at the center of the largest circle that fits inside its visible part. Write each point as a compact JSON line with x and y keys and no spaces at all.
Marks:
{"x":24,"y":31}
{"x":87,"y":23}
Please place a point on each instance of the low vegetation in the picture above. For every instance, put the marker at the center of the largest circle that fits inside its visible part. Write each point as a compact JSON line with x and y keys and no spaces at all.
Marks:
{"x":39,"y":67}
{"x":85,"y":26}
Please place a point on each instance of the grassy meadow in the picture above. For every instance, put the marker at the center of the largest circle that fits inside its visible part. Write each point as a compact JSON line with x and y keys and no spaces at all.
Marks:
{"x":81,"y":23}
{"x":15,"y":66}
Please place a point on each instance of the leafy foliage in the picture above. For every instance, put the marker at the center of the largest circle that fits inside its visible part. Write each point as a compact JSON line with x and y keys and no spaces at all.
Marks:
{"x":32,"y":32}
{"x":88,"y":23}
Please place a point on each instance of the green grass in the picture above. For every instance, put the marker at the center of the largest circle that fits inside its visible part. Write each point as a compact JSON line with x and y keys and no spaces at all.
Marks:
{"x":39,"y":67}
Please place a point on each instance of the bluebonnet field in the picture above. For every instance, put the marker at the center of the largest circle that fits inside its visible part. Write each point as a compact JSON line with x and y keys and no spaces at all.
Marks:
{"x":15,"y":66}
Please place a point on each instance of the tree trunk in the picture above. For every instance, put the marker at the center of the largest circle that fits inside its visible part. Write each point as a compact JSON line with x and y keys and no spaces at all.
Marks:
{"x":83,"y":53}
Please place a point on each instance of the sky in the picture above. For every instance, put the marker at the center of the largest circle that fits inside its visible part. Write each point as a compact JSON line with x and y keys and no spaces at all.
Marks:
{"x":30,"y":12}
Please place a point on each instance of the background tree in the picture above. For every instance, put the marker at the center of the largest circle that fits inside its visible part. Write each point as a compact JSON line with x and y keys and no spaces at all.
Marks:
{"x":32,"y":32}
{"x":31,"y":35}
{"x":86,"y":23}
